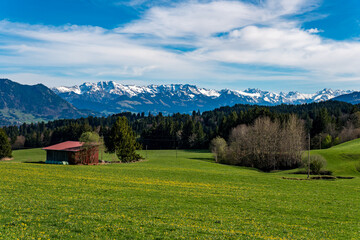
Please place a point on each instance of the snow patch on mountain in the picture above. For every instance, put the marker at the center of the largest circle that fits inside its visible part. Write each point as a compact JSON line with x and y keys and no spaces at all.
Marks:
{"x":178,"y":97}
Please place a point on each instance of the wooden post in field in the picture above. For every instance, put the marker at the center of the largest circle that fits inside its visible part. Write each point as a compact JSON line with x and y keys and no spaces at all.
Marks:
{"x":309,"y":158}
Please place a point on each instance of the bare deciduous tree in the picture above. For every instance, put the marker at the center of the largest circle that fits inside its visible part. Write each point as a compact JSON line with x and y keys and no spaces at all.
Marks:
{"x":267,"y":144}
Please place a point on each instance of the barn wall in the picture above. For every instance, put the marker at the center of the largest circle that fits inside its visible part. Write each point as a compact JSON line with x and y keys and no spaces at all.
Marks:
{"x":87,"y":156}
{"x":56,"y":156}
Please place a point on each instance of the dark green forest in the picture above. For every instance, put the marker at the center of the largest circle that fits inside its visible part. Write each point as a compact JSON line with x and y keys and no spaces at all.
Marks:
{"x":329,"y":123}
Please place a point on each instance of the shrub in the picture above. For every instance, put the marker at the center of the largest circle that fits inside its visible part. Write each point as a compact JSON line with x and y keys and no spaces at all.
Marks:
{"x":317,"y":163}
{"x":327,"y":142}
{"x":218,"y":147}
{"x":89,"y":137}
{"x":336,"y":141}
{"x":357,"y":167}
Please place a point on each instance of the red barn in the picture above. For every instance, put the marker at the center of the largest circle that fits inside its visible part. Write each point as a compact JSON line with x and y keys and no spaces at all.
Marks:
{"x":72,"y":152}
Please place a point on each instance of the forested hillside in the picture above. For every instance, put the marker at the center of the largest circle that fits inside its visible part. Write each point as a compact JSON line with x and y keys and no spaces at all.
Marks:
{"x":328,"y":122}
{"x":24,"y":103}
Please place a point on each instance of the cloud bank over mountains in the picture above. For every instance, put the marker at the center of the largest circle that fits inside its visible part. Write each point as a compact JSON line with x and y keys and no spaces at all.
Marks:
{"x":198,"y":42}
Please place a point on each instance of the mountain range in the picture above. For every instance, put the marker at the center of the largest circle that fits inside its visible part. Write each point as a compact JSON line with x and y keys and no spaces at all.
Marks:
{"x":353,"y":98}
{"x":111,"y":97}
{"x":25,"y":103}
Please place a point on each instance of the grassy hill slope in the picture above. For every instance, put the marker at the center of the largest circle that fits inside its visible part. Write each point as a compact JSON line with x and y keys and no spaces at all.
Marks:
{"x":342,"y":158}
{"x":169,"y":197}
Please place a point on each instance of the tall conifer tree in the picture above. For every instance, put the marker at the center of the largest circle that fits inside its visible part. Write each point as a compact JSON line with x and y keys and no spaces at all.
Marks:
{"x":122,"y":141}
{"x":5,"y":147}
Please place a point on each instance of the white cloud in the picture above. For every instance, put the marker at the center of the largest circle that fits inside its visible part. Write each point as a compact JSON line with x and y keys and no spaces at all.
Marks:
{"x":203,"y":19}
{"x":314,"y":30}
{"x":194,"y":18}
{"x":30,"y":78}
{"x":291,"y":47}
{"x":82,"y":47}
{"x":221,"y":32}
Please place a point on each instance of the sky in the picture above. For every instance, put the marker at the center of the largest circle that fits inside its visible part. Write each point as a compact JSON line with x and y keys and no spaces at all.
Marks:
{"x":274,"y":45}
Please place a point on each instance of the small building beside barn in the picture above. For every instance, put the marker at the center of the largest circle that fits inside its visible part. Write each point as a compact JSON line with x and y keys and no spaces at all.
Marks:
{"x":72,"y":152}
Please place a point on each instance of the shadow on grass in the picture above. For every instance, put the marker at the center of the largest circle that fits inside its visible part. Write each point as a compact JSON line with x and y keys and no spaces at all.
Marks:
{"x":36,"y":162}
{"x":212,"y":160}
{"x":204,"y":159}
{"x":304,"y":172}
{"x":195,"y":150}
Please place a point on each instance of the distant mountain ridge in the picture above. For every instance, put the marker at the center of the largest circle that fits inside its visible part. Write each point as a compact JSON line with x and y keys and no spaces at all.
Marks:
{"x":24,"y":103}
{"x":111,"y":97}
{"x":353,"y":98}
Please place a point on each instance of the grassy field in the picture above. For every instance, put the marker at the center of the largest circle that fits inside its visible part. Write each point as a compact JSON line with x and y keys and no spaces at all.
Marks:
{"x":183,"y":197}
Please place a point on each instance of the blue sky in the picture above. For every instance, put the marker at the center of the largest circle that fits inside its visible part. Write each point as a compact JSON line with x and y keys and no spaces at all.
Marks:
{"x":276,"y":45}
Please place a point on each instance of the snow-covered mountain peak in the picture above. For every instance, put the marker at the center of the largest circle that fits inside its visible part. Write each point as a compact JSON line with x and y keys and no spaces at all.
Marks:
{"x":184,"y":94}
{"x":253,"y":90}
{"x":325,"y":91}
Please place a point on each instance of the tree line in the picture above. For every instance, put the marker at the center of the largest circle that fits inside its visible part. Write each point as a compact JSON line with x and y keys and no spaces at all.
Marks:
{"x":329,"y":123}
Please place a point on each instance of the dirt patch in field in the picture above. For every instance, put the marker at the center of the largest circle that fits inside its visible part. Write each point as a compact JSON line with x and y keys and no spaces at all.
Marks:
{"x":299,"y":179}
{"x":322,"y":172}
{"x":312,"y":178}
{"x":319,"y":178}
{"x":6,"y":159}
{"x":324,"y":178}
{"x":340,"y":177}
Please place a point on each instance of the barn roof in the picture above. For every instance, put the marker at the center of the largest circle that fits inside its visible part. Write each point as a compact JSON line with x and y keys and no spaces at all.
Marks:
{"x":69,"y":146}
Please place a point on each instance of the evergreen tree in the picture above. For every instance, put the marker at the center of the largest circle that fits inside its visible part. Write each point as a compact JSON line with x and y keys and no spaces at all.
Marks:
{"x":122,"y":141}
{"x":321,"y":121}
{"x":200,"y":136}
{"x":5,"y":147}
{"x":187,"y":134}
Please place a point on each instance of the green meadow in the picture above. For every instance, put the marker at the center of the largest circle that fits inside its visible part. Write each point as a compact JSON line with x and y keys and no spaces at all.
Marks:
{"x":177,"y":195}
